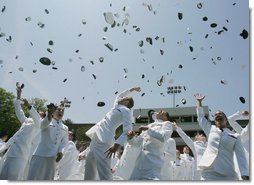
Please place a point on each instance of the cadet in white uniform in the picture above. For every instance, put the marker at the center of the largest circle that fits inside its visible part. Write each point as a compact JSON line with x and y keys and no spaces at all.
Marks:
{"x":103,"y":143}
{"x":178,"y":168}
{"x":22,"y":143}
{"x":169,"y":157}
{"x":151,"y":158}
{"x":217,"y":162}
{"x":197,"y":147}
{"x":54,"y":138}
{"x":68,"y":165}
{"x":127,"y":162}
{"x":244,"y":132}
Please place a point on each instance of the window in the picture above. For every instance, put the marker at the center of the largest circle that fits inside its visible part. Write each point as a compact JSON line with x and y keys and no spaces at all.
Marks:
{"x":140,"y":119}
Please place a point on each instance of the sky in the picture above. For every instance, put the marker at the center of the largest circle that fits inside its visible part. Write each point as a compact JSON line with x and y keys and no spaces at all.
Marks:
{"x":185,"y":51}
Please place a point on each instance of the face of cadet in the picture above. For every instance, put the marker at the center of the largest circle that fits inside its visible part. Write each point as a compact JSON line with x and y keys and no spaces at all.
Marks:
{"x":200,"y":137}
{"x":186,"y":150}
{"x":220,"y":119}
{"x":58,"y":114}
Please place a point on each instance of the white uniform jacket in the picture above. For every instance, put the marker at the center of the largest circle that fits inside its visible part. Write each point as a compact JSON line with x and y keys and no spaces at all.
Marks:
{"x":244,"y":132}
{"x":105,"y":129}
{"x":197,"y":148}
{"x":218,"y":156}
{"x":22,"y":142}
{"x":54,"y":137}
{"x":152,"y":148}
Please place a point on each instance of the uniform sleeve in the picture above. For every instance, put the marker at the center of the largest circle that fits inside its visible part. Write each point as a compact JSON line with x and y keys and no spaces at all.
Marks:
{"x":189,"y":142}
{"x":127,"y":126}
{"x":64,"y":141}
{"x":136,"y":140}
{"x":241,"y":157}
{"x":19,"y":112}
{"x":45,"y":122}
{"x":232,"y":121}
{"x":245,"y":134}
{"x":121,"y":95}
{"x":203,"y":122}
{"x":163,"y":134}
{"x":170,"y":149}
{"x":35,"y":116}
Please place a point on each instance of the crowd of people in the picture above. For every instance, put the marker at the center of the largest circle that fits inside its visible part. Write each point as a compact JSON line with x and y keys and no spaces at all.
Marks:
{"x":44,"y":149}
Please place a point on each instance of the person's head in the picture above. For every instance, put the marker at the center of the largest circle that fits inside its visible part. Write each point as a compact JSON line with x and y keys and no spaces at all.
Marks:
{"x":186,"y":150}
{"x":72,"y":136}
{"x":220,"y":119}
{"x":162,"y":115}
{"x":127,"y":101}
{"x":59,"y":112}
{"x":200,"y":137}
{"x":42,"y":114}
{"x":178,"y":153}
{"x":4,"y":135}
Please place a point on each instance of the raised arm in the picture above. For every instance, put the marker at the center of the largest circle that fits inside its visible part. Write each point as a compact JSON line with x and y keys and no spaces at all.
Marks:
{"x":17,"y":104}
{"x":233,"y":123}
{"x":203,"y":122}
{"x":126,"y":93}
{"x":189,"y":142}
{"x":33,"y":113}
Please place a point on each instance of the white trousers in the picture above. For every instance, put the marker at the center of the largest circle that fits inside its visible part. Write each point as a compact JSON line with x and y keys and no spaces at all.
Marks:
{"x":42,"y":168}
{"x":13,"y":169}
{"x":96,"y":161}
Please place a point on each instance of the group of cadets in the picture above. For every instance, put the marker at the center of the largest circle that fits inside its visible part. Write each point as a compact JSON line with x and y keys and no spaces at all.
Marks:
{"x":44,"y":149}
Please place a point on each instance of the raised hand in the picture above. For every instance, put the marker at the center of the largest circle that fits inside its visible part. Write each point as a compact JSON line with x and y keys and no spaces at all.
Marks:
{"x":174,"y":125}
{"x":51,"y":109}
{"x":138,"y":89}
{"x":245,"y":113}
{"x":199,"y":97}
{"x":19,"y":90}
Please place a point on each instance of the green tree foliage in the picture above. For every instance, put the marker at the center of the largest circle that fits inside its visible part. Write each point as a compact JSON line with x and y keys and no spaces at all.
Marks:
{"x":39,"y":104}
{"x":8,"y":119}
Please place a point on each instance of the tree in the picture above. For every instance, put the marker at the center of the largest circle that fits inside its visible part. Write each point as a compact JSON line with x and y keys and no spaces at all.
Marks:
{"x":8,"y":119}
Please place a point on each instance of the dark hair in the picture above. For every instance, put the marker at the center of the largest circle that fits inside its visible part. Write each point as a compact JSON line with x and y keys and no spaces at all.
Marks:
{"x":3,"y":133}
{"x":167,"y":116}
{"x":130,"y":103}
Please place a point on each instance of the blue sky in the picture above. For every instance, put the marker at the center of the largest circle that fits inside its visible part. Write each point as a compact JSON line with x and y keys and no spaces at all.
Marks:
{"x":76,"y":29}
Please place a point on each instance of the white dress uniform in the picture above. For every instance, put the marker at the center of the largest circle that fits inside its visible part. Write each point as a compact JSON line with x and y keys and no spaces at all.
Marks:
{"x":244,"y":132}
{"x":127,"y":162}
{"x":169,"y":157}
{"x":197,"y":148}
{"x":21,"y":145}
{"x":150,"y":160}
{"x":217,"y":162}
{"x":67,"y":166}
{"x":178,"y":170}
{"x":102,"y":135}
{"x":189,"y":164}
{"x":54,"y":138}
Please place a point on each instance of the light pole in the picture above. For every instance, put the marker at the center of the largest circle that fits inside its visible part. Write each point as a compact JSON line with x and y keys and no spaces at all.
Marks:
{"x":173,"y":90}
